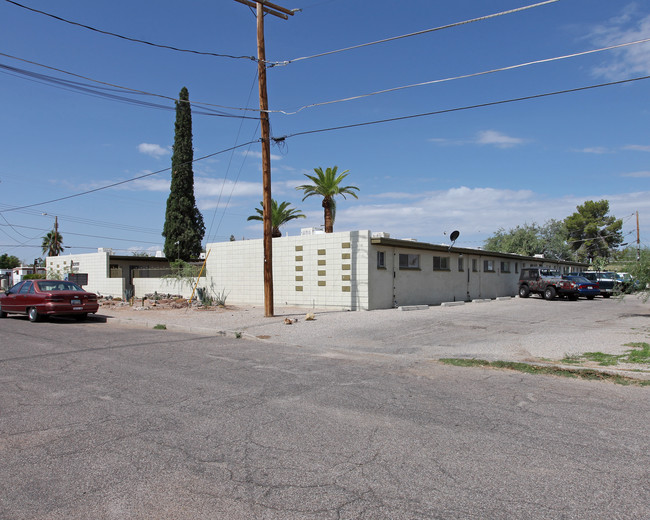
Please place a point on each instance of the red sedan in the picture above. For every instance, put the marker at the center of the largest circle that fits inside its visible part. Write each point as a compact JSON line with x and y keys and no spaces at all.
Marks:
{"x":38,"y":298}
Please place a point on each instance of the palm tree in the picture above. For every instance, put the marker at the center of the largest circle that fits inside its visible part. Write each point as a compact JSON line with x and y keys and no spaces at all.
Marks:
{"x":280,"y":215}
{"x":52,"y":244}
{"x":327,"y":186}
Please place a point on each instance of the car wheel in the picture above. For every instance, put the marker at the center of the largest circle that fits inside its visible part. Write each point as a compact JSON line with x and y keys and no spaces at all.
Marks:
{"x":606,"y":295}
{"x":524,"y":291}
{"x":590,"y":297}
{"x":32,"y":314}
{"x":549,"y":293}
{"x":2,"y":313}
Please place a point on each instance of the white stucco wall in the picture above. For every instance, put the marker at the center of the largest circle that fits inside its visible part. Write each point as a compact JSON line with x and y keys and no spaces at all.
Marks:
{"x":93,"y":264}
{"x":163,"y":286}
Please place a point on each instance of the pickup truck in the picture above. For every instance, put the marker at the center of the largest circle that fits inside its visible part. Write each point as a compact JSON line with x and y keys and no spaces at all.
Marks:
{"x":547,"y":282}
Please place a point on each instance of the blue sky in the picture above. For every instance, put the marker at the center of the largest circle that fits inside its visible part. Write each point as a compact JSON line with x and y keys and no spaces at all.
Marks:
{"x":474,"y":170}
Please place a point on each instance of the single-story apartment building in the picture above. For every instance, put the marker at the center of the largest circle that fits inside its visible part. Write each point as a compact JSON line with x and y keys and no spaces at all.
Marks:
{"x":352,"y":270}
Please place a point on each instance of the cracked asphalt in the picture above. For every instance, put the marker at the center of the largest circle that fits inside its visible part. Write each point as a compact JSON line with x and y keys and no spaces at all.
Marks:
{"x":107,"y":421}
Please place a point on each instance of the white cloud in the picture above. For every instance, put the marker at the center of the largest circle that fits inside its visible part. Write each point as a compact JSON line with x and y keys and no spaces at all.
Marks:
{"x":484,"y":137}
{"x":628,"y":61}
{"x":259,"y":155}
{"x":154,"y":150}
{"x":595,"y":149}
{"x":476,"y":212}
{"x":637,"y":147}
{"x":492,"y":137}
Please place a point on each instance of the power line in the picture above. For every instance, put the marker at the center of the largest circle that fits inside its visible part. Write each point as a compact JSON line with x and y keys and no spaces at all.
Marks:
{"x":94,"y":223}
{"x":250,"y":92}
{"x":12,"y":226}
{"x":459,"y":109}
{"x":418,"y":33}
{"x":118,"y":183}
{"x":136,"y":40}
{"x":112,"y":88}
{"x":465,"y":76}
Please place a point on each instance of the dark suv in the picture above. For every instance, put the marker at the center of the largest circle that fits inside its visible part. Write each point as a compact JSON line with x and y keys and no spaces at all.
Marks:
{"x":547,"y":282}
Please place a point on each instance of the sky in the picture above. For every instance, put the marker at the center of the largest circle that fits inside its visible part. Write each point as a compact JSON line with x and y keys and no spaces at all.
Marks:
{"x":472,"y":127}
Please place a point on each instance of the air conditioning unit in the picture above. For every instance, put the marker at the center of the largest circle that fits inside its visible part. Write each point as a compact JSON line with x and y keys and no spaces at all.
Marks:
{"x":380,"y":234}
{"x":311,"y":231}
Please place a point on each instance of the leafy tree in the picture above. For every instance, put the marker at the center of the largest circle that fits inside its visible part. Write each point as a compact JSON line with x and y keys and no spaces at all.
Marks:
{"x":280,"y":215}
{"x":553,"y":235}
{"x":184,"y":227}
{"x":8,"y":262}
{"x":531,"y":239}
{"x":52,"y":244}
{"x":327,"y":185}
{"x":522,"y":240}
{"x":637,"y":264}
{"x":592,"y":233}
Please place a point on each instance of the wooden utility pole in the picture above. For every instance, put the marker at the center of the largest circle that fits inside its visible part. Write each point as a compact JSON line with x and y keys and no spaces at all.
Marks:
{"x":638,"y":239}
{"x":56,"y":235}
{"x":262,"y":6}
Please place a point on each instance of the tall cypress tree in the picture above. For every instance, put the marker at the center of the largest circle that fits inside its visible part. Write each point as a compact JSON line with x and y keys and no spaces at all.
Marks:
{"x":184,"y":227}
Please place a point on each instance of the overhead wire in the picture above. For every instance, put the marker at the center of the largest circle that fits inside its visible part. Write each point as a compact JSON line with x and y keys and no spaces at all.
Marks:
{"x":250,"y":93}
{"x":72,"y":233}
{"x":127,"y":38}
{"x":417,"y":33}
{"x":83,"y":220}
{"x":459,"y":109}
{"x":94,"y":190}
{"x":80,"y":86}
{"x":465,"y":76}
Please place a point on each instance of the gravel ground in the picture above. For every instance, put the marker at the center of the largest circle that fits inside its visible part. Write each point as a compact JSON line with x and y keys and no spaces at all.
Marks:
{"x":510,"y":329}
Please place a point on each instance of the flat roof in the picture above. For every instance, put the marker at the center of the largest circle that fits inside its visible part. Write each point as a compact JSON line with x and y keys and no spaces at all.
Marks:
{"x":424,"y":246}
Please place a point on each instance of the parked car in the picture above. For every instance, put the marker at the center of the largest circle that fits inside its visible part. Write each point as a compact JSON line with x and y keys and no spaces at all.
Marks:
{"x":546,"y":282}
{"x":606,"y":281}
{"x":626,"y":283}
{"x":39,"y":298}
{"x":587,"y":288}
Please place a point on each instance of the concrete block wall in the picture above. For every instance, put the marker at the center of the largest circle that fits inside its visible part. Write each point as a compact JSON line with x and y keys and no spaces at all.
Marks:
{"x":325,"y":270}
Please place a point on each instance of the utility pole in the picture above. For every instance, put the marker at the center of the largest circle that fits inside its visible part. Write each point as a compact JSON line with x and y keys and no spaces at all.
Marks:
{"x":56,"y":234}
{"x":262,"y":6}
{"x":638,"y":241}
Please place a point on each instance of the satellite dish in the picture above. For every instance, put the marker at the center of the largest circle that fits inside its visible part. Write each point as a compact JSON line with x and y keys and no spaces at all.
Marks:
{"x":454,"y":235}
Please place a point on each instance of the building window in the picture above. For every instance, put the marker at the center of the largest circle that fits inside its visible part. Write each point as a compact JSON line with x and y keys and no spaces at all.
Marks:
{"x":409,"y":261}
{"x":505,"y":267}
{"x":475,"y":265}
{"x":461,"y":266}
{"x":516,"y":267}
{"x":381,"y":260}
{"x":441,"y":263}
{"x":488,"y":266}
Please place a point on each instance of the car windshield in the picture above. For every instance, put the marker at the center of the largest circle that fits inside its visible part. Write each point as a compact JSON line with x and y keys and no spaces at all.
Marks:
{"x":57,"y":285}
